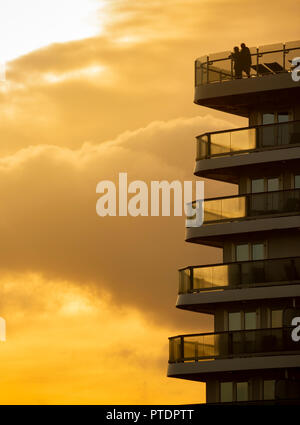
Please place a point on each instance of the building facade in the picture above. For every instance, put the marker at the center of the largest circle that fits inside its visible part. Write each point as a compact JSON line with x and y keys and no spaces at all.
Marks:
{"x":254,"y":294}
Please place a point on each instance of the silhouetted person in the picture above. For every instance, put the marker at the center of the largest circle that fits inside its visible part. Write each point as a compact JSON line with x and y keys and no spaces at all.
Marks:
{"x":245,"y":59}
{"x":236,"y":57}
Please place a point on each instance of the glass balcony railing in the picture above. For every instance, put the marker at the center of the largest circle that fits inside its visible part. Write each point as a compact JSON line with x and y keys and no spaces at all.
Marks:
{"x":251,"y":205}
{"x":242,"y":140}
{"x":242,"y":343}
{"x":271,"y":272}
{"x":266,"y":60}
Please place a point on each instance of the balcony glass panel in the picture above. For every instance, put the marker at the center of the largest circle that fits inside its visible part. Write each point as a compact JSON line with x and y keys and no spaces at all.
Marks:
{"x":243,"y":140}
{"x":202,"y":278}
{"x":260,"y":272}
{"x":225,"y":209}
{"x":252,"y":205}
{"x":175,"y":350}
{"x":220,"y":143}
{"x":202,"y":146}
{"x":247,"y":139}
{"x":232,"y":344}
{"x":184,"y":280}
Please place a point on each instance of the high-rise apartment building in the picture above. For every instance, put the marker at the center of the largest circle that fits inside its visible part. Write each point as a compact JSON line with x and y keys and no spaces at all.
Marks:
{"x":254,"y":294}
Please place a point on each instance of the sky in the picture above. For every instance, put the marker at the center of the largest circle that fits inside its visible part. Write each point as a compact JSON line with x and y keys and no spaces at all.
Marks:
{"x":94,"y":88}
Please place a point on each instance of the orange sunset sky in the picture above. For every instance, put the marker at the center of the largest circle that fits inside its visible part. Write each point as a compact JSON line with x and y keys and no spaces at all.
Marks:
{"x":94,"y":88}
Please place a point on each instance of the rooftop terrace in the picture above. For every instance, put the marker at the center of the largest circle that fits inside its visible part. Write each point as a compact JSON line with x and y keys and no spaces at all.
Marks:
{"x":266,"y":60}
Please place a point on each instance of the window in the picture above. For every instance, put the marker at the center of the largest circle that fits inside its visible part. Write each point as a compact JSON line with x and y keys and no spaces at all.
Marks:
{"x":269,"y":390}
{"x":250,"y":320}
{"x":242,"y":391}
{"x":297,"y":182}
{"x":241,"y":320}
{"x":272,"y":184}
{"x":276,"y":318}
{"x":235,"y":321}
{"x":242,"y":252}
{"x":283,"y":116}
{"x":258,"y":251}
{"x":265,"y":184}
{"x":268,"y":118}
{"x":234,"y":391}
{"x":226,"y":391}
{"x":276,"y":117}
{"x":272,"y":135}
{"x":250,"y":251}
{"x":257,"y":185}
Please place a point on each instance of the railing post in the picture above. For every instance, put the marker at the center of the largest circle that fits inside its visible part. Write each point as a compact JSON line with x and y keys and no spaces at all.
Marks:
{"x":248,"y":201}
{"x":207,"y":78}
{"x":209,"y":146}
{"x":230,"y":344}
{"x":257,"y":61}
{"x":182,"y":349}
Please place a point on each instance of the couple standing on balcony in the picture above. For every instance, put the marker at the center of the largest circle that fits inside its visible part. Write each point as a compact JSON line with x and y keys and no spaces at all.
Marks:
{"x":242,"y":60}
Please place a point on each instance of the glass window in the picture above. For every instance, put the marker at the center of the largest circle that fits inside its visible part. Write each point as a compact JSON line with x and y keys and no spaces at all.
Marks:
{"x":235,"y":321}
{"x":297,"y":182}
{"x":226,"y":390}
{"x":242,"y":391}
{"x":269,"y":390}
{"x":250,"y":320}
{"x":276,"y":319}
{"x":273,"y":184}
{"x":242,"y":252}
{"x":283,"y":116}
{"x":257,"y":185}
{"x":258,"y":251}
{"x":268,"y":118}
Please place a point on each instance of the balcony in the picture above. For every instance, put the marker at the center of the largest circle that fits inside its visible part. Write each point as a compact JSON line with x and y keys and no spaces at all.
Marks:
{"x":225,"y":155}
{"x":230,"y":344}
{"x":266,"y":60}
{"x":279,"y":271}
{"x":248,"y":139}
{"x":240,"y":214}
{"x":251,"y":205}
{"x":205,"y":288}
{"x":217,"y":87}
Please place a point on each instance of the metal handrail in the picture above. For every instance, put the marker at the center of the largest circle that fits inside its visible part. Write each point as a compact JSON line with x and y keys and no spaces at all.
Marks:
{"x":232,"y":332}
{"x":237,"y":262}
{"x":249,"y":195}
{"x":208,"y":133}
